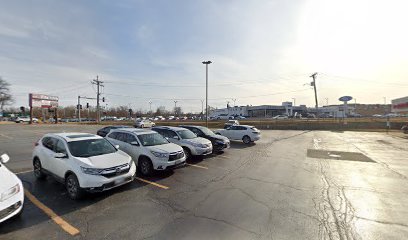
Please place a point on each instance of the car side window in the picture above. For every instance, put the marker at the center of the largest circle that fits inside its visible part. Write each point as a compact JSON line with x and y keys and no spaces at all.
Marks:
{"x":241,"y":128}
{"x":129,"y":138}
{"x":113,"y":135}
{"x":196,"y":131}
{"x":171,"y":133}
{"x":121,"y":136}
{"x":49,"y":143}
{"x":60,"y":147}
{"x":233,"y":128}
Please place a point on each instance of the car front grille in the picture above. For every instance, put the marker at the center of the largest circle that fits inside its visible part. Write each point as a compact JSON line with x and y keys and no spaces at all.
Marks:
{"x":10,"y":210}
{"x":176,"y":155}
{"x":116,"y":171}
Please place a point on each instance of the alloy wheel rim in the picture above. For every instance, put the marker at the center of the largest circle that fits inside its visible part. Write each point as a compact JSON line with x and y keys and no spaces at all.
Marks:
{"x":37,"y":168}
{"x":71,"y":187}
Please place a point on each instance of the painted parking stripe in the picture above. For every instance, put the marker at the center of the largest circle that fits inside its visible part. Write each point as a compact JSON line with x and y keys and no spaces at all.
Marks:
{"x":197,"y":166}
{"x":24,"y":172}
{"x":152,"y":183}
{"x":57,"y":219}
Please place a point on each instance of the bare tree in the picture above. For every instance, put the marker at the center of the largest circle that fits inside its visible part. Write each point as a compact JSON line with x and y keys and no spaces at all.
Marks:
{"x":5,"y":96}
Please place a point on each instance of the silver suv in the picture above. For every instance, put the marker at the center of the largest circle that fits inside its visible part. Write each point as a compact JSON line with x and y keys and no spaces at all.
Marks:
{"x":192,"y":145}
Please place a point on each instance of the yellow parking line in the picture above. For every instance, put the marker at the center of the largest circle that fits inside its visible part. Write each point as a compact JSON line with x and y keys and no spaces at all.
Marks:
{"x":197,"y":166}
{"x":152,"y":183}
{"x":24,"y":172}
{"x":3,"y":135}
{"x":58,"y":220}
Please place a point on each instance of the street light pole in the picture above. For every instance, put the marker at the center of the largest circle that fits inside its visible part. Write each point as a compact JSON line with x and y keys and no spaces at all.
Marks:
{"x":150,"y":104}
{"x":206,"y":91}
{"x":175,"y":107}
{"x":294,"y":101}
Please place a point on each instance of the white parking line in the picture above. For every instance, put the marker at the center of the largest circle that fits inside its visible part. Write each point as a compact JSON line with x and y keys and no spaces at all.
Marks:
{"x":24,"y":172}
{"x":8,"y":137}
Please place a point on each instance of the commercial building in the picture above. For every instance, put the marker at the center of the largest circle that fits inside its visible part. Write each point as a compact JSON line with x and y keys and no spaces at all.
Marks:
{"x":259,"y":111}
{"x":400,"y":105}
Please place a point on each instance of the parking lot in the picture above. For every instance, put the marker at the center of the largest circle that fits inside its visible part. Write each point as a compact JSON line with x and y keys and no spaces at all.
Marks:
{"x":288,"y":185}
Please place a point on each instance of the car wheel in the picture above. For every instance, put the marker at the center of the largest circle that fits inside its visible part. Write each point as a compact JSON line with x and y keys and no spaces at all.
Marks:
{"x":187,"y":152}
{"x":246,"y":140}
{"x":145,"y":166}
{"x":218,"y":133}
{"x":72,"y":185}
{"x":38,"y":173}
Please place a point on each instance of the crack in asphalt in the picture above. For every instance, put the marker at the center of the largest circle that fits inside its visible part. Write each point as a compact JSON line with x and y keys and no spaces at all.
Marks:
{"x":335,"y":213}
{"x":383,"y":222}
{"x":275,"y":183}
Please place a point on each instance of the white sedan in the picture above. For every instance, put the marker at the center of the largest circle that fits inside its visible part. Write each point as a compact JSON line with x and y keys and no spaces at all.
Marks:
{"x":144,"y":123}
{"x":11,"y":192}
{"x":244,"y":133}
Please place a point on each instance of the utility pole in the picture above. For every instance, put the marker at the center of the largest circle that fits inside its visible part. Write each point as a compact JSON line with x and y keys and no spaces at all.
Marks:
{"x":79,"y":108}
{"x":206,"y":91}
{"x":150,"y":104}
{"x":315,"y":91}
{"x":234,"y":100}
{"x":294,"y":101}
{"x":175,"y":108}
{"x":98,"y":84}
{"x":202,"y":107}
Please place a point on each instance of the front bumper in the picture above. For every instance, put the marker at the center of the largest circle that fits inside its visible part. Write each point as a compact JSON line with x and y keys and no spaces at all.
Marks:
{"x":12,"y":206}
{"x":202,"y":151}
{"x":220,"y":147}
{"x":97,"y":183}
{"x":166,"y":165}
{"x":255,"y":138}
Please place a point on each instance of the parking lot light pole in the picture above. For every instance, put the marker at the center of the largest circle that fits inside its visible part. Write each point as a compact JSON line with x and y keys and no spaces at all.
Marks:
{"x":206,"y":91}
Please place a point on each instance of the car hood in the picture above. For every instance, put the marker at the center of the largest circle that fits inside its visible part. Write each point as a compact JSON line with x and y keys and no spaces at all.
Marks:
{"x":219,"y":137}
{"x":8,"y":179}
{"x":197,"y":140}
{"x":106,"y":160}
{"x":168,"y":148}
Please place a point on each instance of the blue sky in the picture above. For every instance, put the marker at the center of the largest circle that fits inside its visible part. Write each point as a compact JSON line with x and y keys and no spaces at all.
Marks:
{"x":152,"y":50}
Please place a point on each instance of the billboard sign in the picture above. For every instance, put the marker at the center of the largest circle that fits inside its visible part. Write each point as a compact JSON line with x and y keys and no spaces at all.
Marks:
{"x":42,"y":100}
{"x":400,"y":105}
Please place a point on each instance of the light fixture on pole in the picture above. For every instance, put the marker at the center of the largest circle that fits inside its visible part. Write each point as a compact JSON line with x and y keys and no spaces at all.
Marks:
{"x":206,"y":91}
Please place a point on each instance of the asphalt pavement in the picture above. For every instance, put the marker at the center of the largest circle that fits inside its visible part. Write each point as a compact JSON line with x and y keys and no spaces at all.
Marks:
{"x":288,"y":185}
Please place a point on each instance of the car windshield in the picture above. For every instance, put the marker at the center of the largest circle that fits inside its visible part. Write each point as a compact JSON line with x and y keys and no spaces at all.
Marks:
{"x":91,"y":147}
{"x":152,"y":139}
{"x":186,"y":134}
{"x":206,"y":131}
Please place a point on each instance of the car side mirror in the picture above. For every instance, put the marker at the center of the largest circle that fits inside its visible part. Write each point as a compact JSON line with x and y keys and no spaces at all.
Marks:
{"x":134,"y":143}
{"x":4,"y":158}
{"x":60,"y":155}
{"x":176,"y":137}
{"x":117,"y":146}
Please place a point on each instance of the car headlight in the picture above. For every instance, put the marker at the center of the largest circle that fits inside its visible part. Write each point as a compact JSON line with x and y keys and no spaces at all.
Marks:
{"x":91,"y":171}
{"x":198,"y":145}
{"x":220,"y":142}
{"x":159,"y":154}
{"x":10,"y":192}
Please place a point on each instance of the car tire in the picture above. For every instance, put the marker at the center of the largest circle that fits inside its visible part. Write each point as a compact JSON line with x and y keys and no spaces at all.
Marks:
{"x":145,"y":166}
{"x":75,"y":192}
{"x":218,"y":133}
{"x":187,"y":152}
{"x":246,"y":139}
{"x":37,"y":169}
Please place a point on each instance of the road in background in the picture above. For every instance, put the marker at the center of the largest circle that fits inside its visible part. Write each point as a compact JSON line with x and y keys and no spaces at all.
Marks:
{"x":289,"y":185}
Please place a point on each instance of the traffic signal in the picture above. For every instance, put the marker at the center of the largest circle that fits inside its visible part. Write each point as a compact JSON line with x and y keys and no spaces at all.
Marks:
{"x":103,"y":99}
{"x":87,"y":105}
{"x":22,"y":109}
{"x":130,"y":111}
{"x":79,"y":106}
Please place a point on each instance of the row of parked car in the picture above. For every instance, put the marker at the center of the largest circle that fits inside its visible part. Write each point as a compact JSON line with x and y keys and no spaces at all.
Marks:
{"x":86,"y":162}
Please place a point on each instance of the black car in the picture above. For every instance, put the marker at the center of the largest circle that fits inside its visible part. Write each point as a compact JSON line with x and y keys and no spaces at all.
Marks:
{"x":103,"y":131}
{"x":219,"y":142}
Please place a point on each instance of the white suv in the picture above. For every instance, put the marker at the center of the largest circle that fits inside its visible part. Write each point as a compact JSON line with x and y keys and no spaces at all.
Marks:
{"x":25,"y":119}
{"x":244,"y":133}
{"x":148,"y":148}
{"x":83,"y":162}
{"x":188,"y":140}
{"x":11,"y":192}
